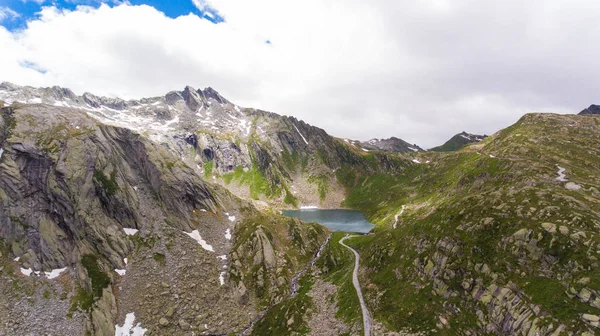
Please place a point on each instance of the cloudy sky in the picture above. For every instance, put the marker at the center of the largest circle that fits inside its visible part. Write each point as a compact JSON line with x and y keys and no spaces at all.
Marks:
{"x":419,"y":70}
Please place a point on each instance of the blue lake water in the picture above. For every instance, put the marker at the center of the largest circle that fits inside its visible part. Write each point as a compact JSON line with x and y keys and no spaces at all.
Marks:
{"x":336,"y":220}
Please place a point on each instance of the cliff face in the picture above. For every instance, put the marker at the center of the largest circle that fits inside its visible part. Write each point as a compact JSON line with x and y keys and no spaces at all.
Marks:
{"x":93,"y":201}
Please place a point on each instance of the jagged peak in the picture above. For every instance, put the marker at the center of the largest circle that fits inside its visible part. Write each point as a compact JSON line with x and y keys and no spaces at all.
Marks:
{"x":209,"y":92}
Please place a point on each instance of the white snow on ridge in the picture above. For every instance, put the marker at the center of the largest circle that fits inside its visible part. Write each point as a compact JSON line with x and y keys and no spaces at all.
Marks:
{"x":195,"y":235}
{"x":128,"y":329}
{"x":130,"y":232}
{"x":120,"y":272}
{"x":413,"y":149}
{"x":303,"y":138}
{"x":228,"y":234}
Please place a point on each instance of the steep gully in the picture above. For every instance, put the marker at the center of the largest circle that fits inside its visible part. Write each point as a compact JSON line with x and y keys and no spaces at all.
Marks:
{"x":294,"y":285}
{"x":363,"y":306}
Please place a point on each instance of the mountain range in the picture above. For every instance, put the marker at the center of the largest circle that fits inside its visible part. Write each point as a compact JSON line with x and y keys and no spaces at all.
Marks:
{"x":161,"y":216}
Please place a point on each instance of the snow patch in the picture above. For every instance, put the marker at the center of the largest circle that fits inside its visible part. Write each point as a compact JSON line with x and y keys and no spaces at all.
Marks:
{"x":1,"y":152}
{"x":308,"y":207}
{"x":17,"y":259}
{"x":26,"y":271}
{"x":130,"y":232}
{"x":416,"y":161}
{"x":195,"y":235}
{"x":222,"y":278}
{"x":228,"y":234}
{"x":128,"y":329}
{"x":125,"y":261}
{"x":121,"y":272}
{"x":35,"y":101}
{"x":222,"y":257}
{"x":303,"y":138}
{"x":364,"y":150}
{"x":561,"y":174}
{"x":413,"y":149}
{"x":231,"y":218}
{"x":55,"y":273}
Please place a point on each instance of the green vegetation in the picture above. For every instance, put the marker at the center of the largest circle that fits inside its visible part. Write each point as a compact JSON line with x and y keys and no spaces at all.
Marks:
{"x":290,"y":198}
{"x":159,"y":257}
{"x":322,"y":182}
{"x":100,"y":280}
{"x":253,"y":178}
{"x":109,"y":184}
{"x":455,"y":143}
{"x":208,"y":168}
{"x":84,"y":299}
{"x":551,"y":295}
{"x":477,"y":219}
{"x":287,"y":317}
{"x":336,"y":264}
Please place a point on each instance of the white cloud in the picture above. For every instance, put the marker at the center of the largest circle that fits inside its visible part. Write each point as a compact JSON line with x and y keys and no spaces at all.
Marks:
{"x":419,"y":70}
{"x":7,"y":14}
{"x":39,"y":2}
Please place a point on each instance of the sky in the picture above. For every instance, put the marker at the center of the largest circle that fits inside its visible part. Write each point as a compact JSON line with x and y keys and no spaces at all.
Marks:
{"x":418,"y":70}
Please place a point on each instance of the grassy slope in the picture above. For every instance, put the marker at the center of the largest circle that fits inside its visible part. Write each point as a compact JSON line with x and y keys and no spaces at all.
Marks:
{"x":455,"y":143}
{"x":476,"y":203}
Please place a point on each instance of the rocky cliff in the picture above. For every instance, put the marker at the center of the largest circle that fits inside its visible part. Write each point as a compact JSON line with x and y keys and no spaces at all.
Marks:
{"x":98,"y":222}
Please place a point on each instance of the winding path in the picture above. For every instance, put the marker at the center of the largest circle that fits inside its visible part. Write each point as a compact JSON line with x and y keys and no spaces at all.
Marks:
{"x":398,"y":215}
{"x":363,"y":306}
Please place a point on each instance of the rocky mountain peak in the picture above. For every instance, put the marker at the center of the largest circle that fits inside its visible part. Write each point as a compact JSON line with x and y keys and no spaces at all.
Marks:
{"x":211,"y":93}
{"x":392,"y":144}
{"x":458,"y":141}
{"x":593,"y":109}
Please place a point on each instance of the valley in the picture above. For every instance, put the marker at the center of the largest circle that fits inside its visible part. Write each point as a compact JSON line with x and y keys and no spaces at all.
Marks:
{"x":164,"y":214}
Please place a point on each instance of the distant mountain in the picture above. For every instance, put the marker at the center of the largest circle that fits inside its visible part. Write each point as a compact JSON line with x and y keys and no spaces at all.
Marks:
{"x":392,"y":144}
{"x":458,"y":141}
{"x":593,"y":109}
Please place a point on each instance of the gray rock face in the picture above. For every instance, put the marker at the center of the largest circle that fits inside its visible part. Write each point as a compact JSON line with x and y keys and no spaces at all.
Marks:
{"x":593,"y":109}
{"x":392,"y":144}
{"x":216,"y":137}
{"x":70,"y":186}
